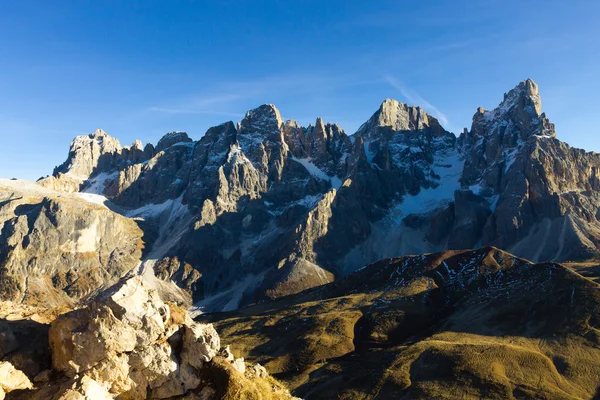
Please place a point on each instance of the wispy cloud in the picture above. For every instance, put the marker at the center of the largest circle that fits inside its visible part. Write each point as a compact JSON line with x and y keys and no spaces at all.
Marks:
{"x":416,"y":99}
{"x":220,"y":98}
{"x":175,"y":111}
{"x":201,"y":105}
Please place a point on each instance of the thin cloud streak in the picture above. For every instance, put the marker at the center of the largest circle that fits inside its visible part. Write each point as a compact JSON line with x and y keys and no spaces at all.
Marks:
{"x":416,"y":99}
{"x":201,"y":105}
{"x":178,"y":111}
{"x":235,"y":93}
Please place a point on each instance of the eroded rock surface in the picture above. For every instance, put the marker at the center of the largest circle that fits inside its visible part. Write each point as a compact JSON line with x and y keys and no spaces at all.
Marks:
{"x":56,"y":248}
{"x":129,"y":344}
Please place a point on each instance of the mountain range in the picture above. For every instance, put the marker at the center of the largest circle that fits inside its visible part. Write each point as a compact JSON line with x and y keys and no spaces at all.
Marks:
{"x":402,"y":261}
{"x":265,"y":207}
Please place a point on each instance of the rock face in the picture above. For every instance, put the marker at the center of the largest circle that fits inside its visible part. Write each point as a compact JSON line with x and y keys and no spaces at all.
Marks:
{"x":12,"y":379}
{"x":267,"y":207}
{"x":129,"y":344}
{"x":57,"y":248}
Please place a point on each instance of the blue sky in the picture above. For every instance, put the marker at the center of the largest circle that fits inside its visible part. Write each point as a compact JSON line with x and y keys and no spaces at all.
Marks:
{"x":138,"y":69}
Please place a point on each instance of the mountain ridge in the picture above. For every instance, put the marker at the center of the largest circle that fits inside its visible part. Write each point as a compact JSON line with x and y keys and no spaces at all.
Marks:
{"x":267,"y":204}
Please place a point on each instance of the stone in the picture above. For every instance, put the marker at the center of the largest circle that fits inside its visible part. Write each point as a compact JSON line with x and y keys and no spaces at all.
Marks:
{"x":239,"y":365}
{"x":86,"y":389}
{"x":226,"y":353}
{"x":126,"y":316}
{"x":12,"y":379}
{"x":200,"y":344}
{"x":131,"y":343}
{"x":259,"y":370}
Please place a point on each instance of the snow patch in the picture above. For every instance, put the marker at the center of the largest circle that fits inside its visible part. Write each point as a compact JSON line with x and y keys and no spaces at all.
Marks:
{"x":93,"y":198}
{"x":97,"y":184}
{"x":317,"y":172}
{"x":449,"y":168}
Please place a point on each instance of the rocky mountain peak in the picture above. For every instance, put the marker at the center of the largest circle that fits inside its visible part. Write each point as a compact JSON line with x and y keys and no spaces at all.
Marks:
{"x":86,"y":152}
{"x":137,"y":145}
{"x":320,"y":128}
{"x":399,"y":117}
{"x":291,"y":124}
{"x":518,"y":117}
{"x":526,"y":96}
{"x":265,"y":118}
{"x":171,"y":139}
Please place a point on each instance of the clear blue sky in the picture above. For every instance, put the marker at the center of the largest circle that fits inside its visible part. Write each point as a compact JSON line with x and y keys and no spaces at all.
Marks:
{"x":138,"y":69}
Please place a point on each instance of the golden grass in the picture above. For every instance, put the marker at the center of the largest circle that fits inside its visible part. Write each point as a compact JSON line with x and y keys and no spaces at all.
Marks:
{"x":232,"y":385}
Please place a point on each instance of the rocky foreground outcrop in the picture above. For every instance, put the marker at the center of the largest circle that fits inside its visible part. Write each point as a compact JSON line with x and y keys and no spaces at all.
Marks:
{"x":129,"y":344}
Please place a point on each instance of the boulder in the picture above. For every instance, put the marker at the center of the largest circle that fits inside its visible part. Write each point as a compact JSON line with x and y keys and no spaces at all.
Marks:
{"x":12,"y":379}
{"x":131,"y":343}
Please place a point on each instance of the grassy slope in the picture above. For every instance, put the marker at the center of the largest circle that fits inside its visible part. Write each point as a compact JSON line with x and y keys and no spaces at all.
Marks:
{"x":479,"y":324}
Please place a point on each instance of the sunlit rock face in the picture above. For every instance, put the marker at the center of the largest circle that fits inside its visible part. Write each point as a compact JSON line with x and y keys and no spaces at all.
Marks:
{"x":128,"y":343}
{"x":58,"y":248}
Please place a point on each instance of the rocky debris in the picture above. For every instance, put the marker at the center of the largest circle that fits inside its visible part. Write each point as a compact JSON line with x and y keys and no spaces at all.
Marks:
{"x":12,"y":379}
{"x":56,"y":248}
{"x":129,"y":344}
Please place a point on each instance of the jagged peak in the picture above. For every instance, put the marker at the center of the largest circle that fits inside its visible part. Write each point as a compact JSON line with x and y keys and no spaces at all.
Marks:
{"x":524,"y":96}
{"x":263,"y":120}
{"x":400,"y":117}
{"x":263,"y":115}
{"x":290,"y":123}
{"x":85,"y":152}
{"x":172,"y":138}
{"x":137,"y":145}
{"x":98,"y":137}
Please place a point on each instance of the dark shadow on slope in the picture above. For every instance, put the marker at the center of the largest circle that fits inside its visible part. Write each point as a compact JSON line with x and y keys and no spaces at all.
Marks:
{"x":25,"y":345}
